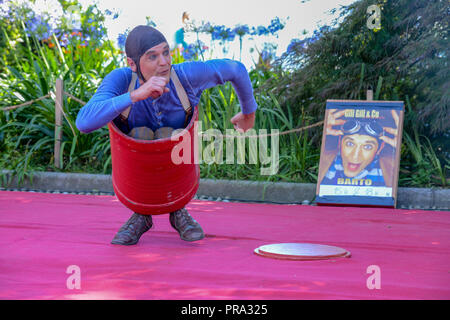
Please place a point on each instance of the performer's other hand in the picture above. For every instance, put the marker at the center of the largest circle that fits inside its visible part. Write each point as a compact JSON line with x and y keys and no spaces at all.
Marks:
{"x":394,"y":131}
{"x":243,"y":122}
{"x":333,"y":120}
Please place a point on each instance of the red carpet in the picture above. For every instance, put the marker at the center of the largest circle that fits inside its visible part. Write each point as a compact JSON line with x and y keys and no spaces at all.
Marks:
{"x":41,"y":235}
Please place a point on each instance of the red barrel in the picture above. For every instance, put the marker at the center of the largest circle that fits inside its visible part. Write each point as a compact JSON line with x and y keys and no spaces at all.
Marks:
{"x":146,"y":179}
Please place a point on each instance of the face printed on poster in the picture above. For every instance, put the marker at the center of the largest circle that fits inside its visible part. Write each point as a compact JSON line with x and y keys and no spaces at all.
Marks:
{"x":360,"y":151}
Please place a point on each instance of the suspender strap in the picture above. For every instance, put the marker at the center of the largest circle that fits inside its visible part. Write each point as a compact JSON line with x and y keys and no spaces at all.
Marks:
{"x":124,"y":115}
{"x":181,"y":92}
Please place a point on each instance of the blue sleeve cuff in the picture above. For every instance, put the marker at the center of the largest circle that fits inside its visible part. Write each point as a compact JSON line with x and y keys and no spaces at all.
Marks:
{"x":249,"y":106}
{"x":120,"y":103}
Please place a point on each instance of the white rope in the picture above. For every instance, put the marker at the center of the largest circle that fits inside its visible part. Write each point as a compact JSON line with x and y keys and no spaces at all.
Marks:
{"x":62,"y":111}
{"x":26,"y":103}
{"x":74,"y":98}
{"x":52,"y":95}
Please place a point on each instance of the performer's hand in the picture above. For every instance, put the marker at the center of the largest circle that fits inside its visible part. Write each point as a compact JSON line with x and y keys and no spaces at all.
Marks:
{"x":394,"y":131}
{"x":333,"y":120}
{"x":243,"y":122}
{"x":154,"y":88}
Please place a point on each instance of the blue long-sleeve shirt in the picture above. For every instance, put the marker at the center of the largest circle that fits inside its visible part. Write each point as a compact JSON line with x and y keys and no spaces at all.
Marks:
{"x":112,"y":96}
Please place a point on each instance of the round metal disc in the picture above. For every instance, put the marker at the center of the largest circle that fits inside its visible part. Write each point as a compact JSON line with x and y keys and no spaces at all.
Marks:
{"x":301,"y":251}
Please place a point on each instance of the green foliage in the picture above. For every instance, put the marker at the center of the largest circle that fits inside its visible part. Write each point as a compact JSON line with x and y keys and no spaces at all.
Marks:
{"x":27,"y":134}
{"x":406,"y":59}
{"x":420,"y":165}
{"x":410,"y":53}
{"x":298,"y":161}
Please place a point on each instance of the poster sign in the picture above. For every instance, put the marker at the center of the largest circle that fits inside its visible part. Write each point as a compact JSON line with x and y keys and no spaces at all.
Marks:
{"x":360,"y":155}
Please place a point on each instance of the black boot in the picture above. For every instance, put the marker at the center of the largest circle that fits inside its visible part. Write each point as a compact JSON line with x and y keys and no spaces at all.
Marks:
{"x":133,"y":229}
{"x":187,"y":227}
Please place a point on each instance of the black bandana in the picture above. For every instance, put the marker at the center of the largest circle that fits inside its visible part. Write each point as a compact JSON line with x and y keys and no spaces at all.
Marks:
{"x":139,"y":40}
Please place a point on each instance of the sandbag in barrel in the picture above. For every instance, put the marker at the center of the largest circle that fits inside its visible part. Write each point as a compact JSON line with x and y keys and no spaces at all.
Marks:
{"x":145,"y":178}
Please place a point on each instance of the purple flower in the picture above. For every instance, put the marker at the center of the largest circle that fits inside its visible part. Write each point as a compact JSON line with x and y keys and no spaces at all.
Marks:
{"x":275,"y":25}
{"x":39,"y":26}
{"x":223,"y":33}
{"x":241,"y":30}
{"x":266,"y":55}
{"x":64,"y":40}
{"x":260,"y":31}
{"x":190,"y":52}
{"x":229,"y":35}
{"x":121,"y":39}
{"x":217,"y":31}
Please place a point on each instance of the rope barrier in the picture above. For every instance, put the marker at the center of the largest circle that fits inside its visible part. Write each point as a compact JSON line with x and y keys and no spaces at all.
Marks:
{"x":62,"y":111}
{"x":273,"y":134}
{"x":48,"y":95}
{"x":52,"y":95}
{"x":26,"y":103}
{"x":75,"y":98}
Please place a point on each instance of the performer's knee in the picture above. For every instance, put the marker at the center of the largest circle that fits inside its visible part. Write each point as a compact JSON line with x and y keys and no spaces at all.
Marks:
{"x":164,"y":132}
{"x":143,"y":133}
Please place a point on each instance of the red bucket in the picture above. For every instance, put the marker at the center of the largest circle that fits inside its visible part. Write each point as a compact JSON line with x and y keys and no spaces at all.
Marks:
{"x":144,"y":176}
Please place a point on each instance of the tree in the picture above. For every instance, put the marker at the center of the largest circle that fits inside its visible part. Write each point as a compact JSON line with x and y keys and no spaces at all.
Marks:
{"x":406,"y":59}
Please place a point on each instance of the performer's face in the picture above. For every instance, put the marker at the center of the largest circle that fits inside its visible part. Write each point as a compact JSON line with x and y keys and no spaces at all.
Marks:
{"x":156,"y":61}
{"x":357,"y":151}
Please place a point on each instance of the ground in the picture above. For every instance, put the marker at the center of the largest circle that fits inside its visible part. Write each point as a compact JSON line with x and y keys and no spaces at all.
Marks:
{"x":49,"y":243}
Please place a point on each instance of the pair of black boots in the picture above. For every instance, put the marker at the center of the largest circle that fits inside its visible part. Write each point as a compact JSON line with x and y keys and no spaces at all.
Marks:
{"x":138,"y":224}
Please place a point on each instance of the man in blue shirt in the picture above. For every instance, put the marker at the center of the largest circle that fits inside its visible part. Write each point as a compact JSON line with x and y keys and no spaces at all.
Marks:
{"x":155,"y":104}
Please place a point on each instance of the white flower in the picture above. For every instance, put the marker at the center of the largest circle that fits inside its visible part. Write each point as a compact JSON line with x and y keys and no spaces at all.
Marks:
{"x":49,"y":8}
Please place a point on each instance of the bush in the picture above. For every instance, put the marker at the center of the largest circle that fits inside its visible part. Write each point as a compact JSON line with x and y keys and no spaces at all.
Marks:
{"x":36,"y":50}
{"x":406,"y":59}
